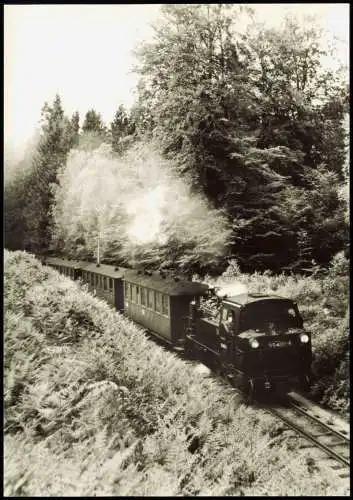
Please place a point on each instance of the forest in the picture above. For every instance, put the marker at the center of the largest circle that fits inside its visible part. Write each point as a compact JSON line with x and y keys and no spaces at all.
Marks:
{"x":235,"y":149}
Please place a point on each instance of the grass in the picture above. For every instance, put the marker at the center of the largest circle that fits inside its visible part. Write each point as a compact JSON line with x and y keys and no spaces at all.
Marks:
{"x":92,"y":407}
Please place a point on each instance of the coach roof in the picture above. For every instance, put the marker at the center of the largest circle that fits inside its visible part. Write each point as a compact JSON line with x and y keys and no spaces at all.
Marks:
{"x":104,"y":269}
{"x":56,"y":261}
{"x":164,"y":283}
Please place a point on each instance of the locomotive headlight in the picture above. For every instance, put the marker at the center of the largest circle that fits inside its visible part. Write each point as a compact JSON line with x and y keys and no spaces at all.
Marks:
{"x":304,"y":338}
{"x":254,"y":343}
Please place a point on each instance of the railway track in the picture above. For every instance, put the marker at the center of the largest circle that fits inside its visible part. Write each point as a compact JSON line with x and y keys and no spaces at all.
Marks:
{"x":317,"y":427}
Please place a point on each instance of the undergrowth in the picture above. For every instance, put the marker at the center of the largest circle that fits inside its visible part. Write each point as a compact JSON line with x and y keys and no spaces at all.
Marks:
{"x":92,"y":407}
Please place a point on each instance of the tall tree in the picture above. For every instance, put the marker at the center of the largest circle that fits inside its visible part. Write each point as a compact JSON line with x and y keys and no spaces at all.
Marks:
{"x":75,"y":128}
{"x":302,"y":107}
{"x":301,"y":104}
{"x":93,"y":122}
{"x":240,"y":113}
{"x":120,"y":128}
{"x":54,"y":144}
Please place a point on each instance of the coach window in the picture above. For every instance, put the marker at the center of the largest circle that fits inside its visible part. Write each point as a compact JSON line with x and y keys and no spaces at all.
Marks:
{"x":143,"y":296}
{"x":110,"y":283}
{"x":158,"y":302}
{"x":92,"y":279}
{"x":165,"y":304}
{"x":150,"y":299}
{"x":105,"y":283}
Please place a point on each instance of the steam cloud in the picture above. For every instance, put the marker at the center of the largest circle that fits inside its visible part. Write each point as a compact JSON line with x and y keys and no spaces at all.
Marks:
{"x":138,"y":206}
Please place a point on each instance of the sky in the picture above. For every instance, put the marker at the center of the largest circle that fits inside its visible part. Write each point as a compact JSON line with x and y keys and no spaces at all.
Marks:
{"x":83,"y":52}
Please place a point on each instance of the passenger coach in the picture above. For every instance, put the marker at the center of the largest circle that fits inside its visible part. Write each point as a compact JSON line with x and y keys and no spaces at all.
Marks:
{"x":106,"y":282}
{"x":160,"y":303}
{"x":70,"y":268}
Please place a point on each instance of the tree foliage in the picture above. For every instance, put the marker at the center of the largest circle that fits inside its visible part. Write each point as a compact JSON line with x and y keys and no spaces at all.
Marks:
{"x":249,"y":116}
{"x":29,"y":197}
{"x":93,"y":122}
{"x":121,"y":130}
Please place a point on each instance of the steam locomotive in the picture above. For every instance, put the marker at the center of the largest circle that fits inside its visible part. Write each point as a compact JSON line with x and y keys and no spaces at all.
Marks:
{"x":258,"y":342}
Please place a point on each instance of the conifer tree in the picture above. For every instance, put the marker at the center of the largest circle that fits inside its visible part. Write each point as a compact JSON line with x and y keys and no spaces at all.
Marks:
{"x":93,"y":122}
{"x":54,"y":144}
{"x":120,"y":128}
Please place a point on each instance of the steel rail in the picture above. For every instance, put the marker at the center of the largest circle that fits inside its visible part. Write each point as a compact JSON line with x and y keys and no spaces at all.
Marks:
{"x":317,"y":420}
{"x":308,"y":436}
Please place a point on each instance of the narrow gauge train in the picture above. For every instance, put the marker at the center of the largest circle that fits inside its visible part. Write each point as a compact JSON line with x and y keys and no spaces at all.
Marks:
{"x":257,"y":342}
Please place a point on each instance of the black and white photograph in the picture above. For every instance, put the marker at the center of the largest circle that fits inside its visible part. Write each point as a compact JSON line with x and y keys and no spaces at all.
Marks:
{"x":176,"y":250}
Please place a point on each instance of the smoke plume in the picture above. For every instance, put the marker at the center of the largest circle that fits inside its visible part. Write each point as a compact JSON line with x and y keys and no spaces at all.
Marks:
{"x":138,"y":206}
